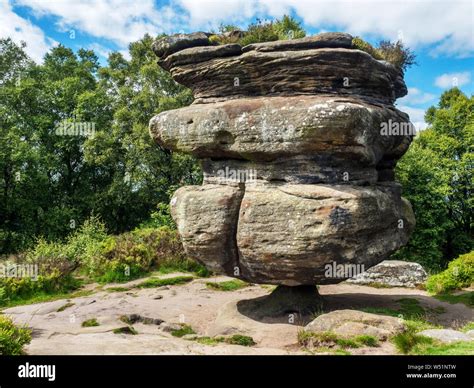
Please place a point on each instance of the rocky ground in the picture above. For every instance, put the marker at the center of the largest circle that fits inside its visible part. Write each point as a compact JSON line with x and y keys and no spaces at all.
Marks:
{"x":57,"y":326}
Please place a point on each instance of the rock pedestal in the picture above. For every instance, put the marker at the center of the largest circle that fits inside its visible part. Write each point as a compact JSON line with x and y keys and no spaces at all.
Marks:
{"x":298,"y":140}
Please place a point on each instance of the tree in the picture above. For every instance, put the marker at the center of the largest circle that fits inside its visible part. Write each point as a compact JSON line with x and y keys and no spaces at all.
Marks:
{"x":53,"y":178}
{"x":436,"y":174}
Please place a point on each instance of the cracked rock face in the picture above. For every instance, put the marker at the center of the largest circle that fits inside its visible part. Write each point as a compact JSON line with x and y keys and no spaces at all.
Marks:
{"x":298,"y":174}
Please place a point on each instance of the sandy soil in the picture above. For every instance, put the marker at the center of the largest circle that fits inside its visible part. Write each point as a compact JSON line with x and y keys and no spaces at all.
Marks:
{"x":198,"y":306}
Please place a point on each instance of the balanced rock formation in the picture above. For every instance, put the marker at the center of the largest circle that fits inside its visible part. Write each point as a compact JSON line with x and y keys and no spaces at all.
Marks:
{"x":298,"y":173}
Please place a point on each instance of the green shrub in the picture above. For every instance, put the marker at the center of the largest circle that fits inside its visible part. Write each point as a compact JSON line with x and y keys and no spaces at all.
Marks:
{"x":130,"y":255}
{"x":459,"y":274}
{"x":14,"y":289}
{"x":395,"y":53}
{"x":12,"y":338}
{"x":262,"y":31}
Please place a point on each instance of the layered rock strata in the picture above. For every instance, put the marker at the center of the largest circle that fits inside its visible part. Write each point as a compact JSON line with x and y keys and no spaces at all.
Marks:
{"x":298,"y":174}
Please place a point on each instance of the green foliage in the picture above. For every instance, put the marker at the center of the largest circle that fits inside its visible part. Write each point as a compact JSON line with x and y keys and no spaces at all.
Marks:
{"x":125,"y":330}
{"x":131,"y":255}
{"x":439,"y":349}
{"x":12,"y":338}
{"x":329,"y":339}
{"x":239,"y":339}
{"x":465,"y":297}
{"x":64,"y":307}
{"x":436,"y":175}
{"x":51,"y":181}
{"x":90,"y":323}
{"x":459,"y":274}
{"x":182,"y":331}
{"x":394,"y":53}
{"x":405,"y":342}
{"x":154,"y":282}
{"x":262,"y":31}
{"x":230,"y":285}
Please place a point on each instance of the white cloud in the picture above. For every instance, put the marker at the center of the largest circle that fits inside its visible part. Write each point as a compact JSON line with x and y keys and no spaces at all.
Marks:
{"x":449,"y":80}
{"x":448,"y":28}
{"x":121,"y":21}
{"x":19,"y":29}
{"x":416,"y":96}
{"x":417,"y":116}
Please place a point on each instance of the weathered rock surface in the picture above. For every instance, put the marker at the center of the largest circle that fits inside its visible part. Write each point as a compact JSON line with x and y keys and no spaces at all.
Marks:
{"x":298,"y":173}
{"x":340,"y":71}
{"x":171,"y":44}
{"x":392,"y":273}
{"x":206,"y":217}
{"x":446,"y":335}
{"x":352,"y":323}
{"x":265,"y":129}
{"x":323,"y":40}
{"x":288,"y":234}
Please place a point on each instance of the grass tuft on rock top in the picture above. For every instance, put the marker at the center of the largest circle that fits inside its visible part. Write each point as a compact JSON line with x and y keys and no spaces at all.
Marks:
{"x":229,"y":285}
{"x":12,"y":338}
{"x":393,"y":52}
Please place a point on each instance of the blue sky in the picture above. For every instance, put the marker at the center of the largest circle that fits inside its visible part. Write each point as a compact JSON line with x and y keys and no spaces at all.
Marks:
{"x":440,"y":32}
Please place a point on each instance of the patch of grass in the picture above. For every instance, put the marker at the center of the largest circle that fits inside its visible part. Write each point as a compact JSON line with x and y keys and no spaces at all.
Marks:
{"x":12,"y":338}
{"x":151,"y":283}
{"x":439,"y":349}
{"x":468,"y":326}
{"x":183,"y":265}
{"x":329,"y":339}
{"x":90,"y":323}
{"x":209,"y":340}
{"x":368,"y":340}
{"x":381,"y":310}
{"x":236,"y":339}
{"x":125,"y":330}
{"x":405,"y":342}
{"x":466,"y":297}
{"x":181,"y":332}
{"x":45,"y":297}
{"x":64,"y":307}
{"x":117,"y":289}
{"x":230,"y":285}
{"x":239,"y":339}
{"x":409,"y":309}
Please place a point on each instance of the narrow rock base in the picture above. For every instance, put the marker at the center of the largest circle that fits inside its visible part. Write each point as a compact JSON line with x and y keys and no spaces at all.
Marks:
{"x":283,"y":301}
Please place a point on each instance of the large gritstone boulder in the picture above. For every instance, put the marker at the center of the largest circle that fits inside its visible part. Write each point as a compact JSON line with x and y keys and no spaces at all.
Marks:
{"x":298,"y":140}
